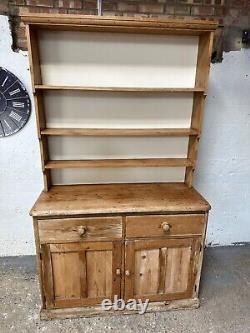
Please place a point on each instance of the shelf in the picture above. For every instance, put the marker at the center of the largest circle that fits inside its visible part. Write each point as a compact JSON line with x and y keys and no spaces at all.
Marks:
{"x":118,"y":163}
{"x":75,"y":200}
{"x":119,"y":89}
{"x":120,"y":132}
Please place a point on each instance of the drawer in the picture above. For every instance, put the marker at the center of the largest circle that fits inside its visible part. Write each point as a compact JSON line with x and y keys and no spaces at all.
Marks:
{"x":164,"y":225}
{"x":77,"y":229}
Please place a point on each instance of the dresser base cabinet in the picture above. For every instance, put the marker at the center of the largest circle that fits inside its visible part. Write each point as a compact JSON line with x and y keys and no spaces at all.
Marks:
{"x":126,"y":253}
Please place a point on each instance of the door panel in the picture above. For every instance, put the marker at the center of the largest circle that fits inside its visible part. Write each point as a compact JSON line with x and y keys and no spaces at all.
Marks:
{"x":99,"y":273}
{"x":146,"y":271}
{"x":78,"y":274}
{"x":66,"y":285}
{"x":160,"y":269}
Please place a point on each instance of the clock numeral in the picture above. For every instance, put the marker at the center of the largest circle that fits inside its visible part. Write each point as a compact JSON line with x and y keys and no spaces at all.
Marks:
{"x":18,"y":104}
{"x":13,"y":92}
{"x":5,"y":80}
{"x":15,"y":116}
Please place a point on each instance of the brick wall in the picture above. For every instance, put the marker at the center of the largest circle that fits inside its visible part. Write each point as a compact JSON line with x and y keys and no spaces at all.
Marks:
{"x":233,"y":15}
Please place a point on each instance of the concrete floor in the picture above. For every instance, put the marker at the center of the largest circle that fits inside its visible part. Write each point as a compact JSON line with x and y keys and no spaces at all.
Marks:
{"x":225,"y":301}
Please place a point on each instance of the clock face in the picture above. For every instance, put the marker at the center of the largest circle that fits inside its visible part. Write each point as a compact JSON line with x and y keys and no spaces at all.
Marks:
{"x":15,"y":106}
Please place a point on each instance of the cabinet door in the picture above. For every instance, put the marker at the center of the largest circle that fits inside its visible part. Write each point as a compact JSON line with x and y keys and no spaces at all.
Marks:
{"x":76,"y":274}
{"x":160,"y":269}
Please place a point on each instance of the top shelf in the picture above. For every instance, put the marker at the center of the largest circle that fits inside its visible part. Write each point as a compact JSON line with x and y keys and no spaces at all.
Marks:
{"x":119,"y":24}
{"x":120,"y":89}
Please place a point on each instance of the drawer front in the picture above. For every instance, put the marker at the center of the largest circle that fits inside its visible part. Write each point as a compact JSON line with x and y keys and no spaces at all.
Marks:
{"x":77,"y":229}
{"x":164,"y":225}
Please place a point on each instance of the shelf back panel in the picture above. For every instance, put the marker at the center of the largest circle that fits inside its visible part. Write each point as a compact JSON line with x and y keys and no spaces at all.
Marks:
{"x":121,"y":60}
{"x":116,"y":175}
{"x":80,"y":148}
{"x":73,"y":109}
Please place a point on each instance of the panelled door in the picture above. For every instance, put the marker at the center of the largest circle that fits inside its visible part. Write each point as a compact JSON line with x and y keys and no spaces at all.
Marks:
{"x":160,"y":269}
{"x":83,"y":273}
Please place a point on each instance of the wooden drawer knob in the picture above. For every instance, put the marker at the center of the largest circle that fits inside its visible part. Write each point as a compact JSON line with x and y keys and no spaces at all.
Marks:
{"x":82,"y":230}
{"x":127,"y":272}
{"x":166,"y":226}
{"x":118,"y":272}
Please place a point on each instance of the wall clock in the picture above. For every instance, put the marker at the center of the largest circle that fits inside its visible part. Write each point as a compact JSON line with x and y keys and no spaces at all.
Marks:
{"x":15,"y":105}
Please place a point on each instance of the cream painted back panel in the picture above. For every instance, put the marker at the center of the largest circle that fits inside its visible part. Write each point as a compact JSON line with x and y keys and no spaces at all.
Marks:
{"x":70,"y":148}
{"x":117,"y":175}
{"x":114,"y":59}
{"x":117,"y":110}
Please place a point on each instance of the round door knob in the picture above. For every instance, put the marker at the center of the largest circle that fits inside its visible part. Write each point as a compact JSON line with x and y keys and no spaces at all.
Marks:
{"x":127,"y":272}
{"x":81,"y":230}
{"x":166,"y":227}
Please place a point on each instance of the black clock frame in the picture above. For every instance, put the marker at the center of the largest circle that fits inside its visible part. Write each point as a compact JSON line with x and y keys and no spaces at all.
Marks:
{"x":15,"y":104}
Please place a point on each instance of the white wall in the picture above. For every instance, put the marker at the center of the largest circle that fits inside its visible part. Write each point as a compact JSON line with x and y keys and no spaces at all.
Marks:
{"x":222,"y":171}
{"x":20,"y":172}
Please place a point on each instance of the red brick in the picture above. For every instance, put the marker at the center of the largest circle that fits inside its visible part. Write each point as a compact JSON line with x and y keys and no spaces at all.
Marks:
{"x":43,"y":3}
{"x":238,"y":3}
{"x":34,"y":9}
{"x":151,"y":8}
{"x":219,"y":2}
{"x":90,"y":5}
{"x":17,"y":2}
{"x":183,"y":10}
{"x":127,"y":6}
{"x":202,"y":10}
{"x":234,"y":12}
{"x":22,"y":44}
{"x":4,"y":8}
{"x":20,"y":32}
{"x":220,"y":11}
{"x":82,"y":11}
{"x":111,"y":13}
{"x":208,"y":2}
{"x":169,"y":10}
{"x":68,"y":4}
{"x":109,"y":6}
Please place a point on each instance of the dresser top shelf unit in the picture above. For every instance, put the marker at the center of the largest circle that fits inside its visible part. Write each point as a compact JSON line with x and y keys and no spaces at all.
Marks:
{"x":129,"y":62}
{"x":119,"y":198}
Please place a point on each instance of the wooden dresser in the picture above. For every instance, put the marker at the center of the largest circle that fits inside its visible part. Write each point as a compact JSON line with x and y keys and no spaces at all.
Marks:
{"x":119,"y":104}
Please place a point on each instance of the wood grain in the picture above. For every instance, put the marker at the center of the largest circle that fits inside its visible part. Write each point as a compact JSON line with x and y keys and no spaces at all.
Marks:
{"x":151,"y":225}
{"x":118,"y":163}
{"x":99,"y":273}
{"x":66,"y":230}
{"x":119,"y":132}
{"x":117,"y":24}
{"x":93,"y":311}
{"x":120,"y":89}
{"x":160,"y":269}
{"x":202,"y":71}
{"x":146,"y":272}
{"x":65,"y":201}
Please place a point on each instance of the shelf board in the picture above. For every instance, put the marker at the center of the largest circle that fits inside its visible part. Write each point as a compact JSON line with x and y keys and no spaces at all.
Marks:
{"x":120,"y":132}
{"x":76,"y":200}
{"x":119,"y":89}
{"x":118,"y":163}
